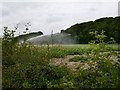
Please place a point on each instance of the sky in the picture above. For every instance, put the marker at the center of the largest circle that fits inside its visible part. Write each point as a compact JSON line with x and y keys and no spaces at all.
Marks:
{"x":53,"y":15}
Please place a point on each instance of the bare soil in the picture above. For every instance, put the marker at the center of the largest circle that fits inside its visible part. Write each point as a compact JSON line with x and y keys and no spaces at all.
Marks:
{"x":74,"y":66}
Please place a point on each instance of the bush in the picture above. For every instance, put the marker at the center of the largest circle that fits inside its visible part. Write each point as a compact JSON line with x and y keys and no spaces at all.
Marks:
{"x":27,"y":66}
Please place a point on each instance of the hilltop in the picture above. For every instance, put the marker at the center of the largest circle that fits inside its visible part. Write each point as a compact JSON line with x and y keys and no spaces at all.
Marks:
{"x":80,"y":31}
{"x":28,"y":36}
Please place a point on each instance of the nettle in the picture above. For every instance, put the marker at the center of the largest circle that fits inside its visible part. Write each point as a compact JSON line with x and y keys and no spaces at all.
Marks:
{"x":99,"y":43}
{"x":10,"y":47}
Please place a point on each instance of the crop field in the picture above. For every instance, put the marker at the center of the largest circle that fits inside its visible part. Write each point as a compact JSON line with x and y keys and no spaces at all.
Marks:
{"x":61,"y":66}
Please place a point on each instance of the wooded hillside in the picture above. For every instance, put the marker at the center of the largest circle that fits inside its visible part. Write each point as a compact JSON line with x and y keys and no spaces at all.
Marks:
{"x":80,"y":32}
{"x":28,"y":36}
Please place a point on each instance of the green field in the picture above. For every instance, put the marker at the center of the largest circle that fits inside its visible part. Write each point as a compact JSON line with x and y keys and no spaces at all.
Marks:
{"x":61,"y":66}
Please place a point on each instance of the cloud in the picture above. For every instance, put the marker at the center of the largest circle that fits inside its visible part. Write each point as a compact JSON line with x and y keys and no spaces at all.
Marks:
{"x":119,"y":8}
{"x":53,"y":20}
{"x":92,"y":9}
{"x":60,"y":0}
{"x":5,"y":12}
{"x":47,"y":16}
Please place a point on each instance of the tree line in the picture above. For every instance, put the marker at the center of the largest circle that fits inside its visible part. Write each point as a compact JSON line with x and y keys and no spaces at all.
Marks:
{"x":80,"y":32}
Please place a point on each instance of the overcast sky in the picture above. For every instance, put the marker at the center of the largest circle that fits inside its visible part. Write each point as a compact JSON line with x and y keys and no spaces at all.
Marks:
{"x":47,"y":16}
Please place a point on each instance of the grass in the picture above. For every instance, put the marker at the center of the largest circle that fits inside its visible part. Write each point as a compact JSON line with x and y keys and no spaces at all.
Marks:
{"x":77,"y":58}
{"x":27,"y":66}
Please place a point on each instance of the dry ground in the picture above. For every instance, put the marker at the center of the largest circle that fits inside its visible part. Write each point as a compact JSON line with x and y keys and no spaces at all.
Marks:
{"x":74,"y":66}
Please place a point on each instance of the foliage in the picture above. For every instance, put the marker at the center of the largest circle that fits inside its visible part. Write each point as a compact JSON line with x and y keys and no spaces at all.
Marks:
{"x":8,"y":46}
{"x":77,"y":58}
{"x":106,"y":76}
{"x":27,"y":66}
{"x":99,"y":43}
{"x":80,"y":32}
